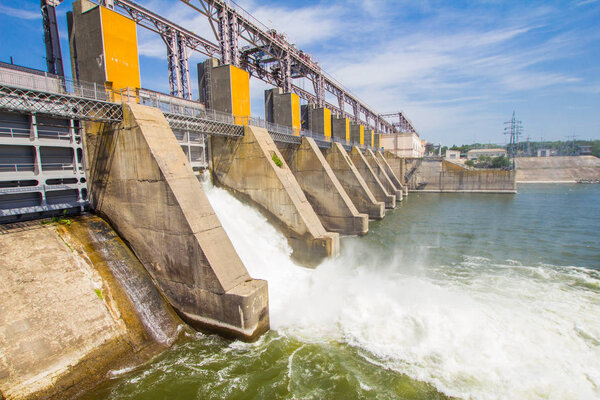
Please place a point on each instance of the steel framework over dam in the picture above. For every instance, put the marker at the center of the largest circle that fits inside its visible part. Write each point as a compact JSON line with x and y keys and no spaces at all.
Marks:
{"x":266,"y":54}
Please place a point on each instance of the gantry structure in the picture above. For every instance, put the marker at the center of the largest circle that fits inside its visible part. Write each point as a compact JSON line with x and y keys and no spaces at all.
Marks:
{"x":243,"y":41}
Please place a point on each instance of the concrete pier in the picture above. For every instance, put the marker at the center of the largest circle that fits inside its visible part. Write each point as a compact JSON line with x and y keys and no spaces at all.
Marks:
{"x":357,"y":133}
{"x":142,"y":182}
{"x":373,"y":183}
{"x":225,"y":88}
{"x":316,"y":119}
{"x":283,"y":108}
{"x":340,"y":128}
{"x":379,"y":171}
{"x":254,"y":169}
{"x":353,"y":183}
{"x":390,"y":173}
{"x":323,"y":190}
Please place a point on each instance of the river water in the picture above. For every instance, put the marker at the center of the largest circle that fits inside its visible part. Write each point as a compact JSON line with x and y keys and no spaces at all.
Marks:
{"x":476,"y":296}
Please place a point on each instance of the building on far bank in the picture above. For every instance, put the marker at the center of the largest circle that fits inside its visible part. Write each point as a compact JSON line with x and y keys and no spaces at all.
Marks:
{"x":404,"y":144}
{"x":474,"y":154}
{"x":452,"y":154}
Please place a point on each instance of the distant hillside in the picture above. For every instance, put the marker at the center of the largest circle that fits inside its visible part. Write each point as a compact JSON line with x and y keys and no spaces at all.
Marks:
{"x":557,"y":169}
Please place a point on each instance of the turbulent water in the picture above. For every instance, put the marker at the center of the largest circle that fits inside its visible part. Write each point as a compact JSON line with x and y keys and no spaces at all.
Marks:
{"x":469,"y":296}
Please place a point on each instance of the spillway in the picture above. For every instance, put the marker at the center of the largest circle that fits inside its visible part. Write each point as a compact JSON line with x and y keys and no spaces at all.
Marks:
{"x":419,"y":308}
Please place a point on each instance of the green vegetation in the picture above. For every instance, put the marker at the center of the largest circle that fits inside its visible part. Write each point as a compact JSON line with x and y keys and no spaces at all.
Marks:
{"x":99,"y":294}
{"x":277,"y":161}
{"x":470,"y":163}
{"x":489,"y":162}
{"x":563,"y":148}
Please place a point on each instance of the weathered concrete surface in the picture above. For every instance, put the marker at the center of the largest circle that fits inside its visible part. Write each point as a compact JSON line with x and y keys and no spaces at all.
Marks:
{"x":141,"y":180}
{"x":557,"y":169}
{"x":340,"y":128}
{"x":370,"y":177}
{"x":353,"y":183}
{"x":247,"y":167}
{"x":379,"y":170}
{"x":323,"y":190}
{"x":75,"y":303}
{"x":390,"y":173}
{"x":398,"y":166}
{"x":438,"y":175}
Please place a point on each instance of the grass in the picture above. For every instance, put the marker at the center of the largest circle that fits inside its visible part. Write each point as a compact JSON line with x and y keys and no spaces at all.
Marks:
{"x":277,"y":161}
{"x":99,"y":294}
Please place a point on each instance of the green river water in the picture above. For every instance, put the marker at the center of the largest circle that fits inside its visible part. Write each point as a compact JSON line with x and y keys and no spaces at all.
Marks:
{"x":451,"y":295}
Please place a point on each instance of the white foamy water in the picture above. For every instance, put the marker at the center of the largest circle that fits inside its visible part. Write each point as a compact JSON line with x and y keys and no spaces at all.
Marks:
{"x":481,"y":329}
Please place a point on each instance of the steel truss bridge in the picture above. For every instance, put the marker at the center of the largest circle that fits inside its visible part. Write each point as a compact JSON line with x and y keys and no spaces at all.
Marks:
{"x":266,"y":54}
{"x":30,"y":93}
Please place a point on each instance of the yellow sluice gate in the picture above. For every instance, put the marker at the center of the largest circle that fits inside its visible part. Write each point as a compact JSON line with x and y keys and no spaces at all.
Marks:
{"x":296,"y":123}
{"x":240,"y":95}
{"x":121,"y":61}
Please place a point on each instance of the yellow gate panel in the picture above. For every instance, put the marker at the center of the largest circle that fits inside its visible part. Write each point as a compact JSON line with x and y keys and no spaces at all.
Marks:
{"x":240,"y":95}
{"x":296,"y":114}
{"x":327,"y":122}
{"x":120,"y":50}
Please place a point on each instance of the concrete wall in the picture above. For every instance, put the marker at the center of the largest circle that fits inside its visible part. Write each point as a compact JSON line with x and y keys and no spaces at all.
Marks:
{"x":323,"y":190}
{"x":340,"y":128}
{"x":373,"y":183}
{"x":357,"y":133}
{"x":390,"y":173}
{"x":381,"y":174}
{"x":106,"y":46}
{"x":76,"y":303}
{"x":316,"y":119}
{"x":438,"y":175}
{"x":247,"y":167}
{"x":141,"y":180}
{"x":353,"y":183}
{"x":282,"y":108}
{"x":557,"y":169}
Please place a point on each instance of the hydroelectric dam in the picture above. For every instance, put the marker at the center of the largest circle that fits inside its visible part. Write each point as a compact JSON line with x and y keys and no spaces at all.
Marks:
{"x":135,"y":250}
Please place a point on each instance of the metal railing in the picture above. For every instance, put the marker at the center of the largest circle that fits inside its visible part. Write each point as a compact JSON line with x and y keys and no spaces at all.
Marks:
{"x":38,"y":188}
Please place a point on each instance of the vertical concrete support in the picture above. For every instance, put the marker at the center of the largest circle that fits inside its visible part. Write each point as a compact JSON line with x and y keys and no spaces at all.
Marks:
{"x":382,"y":175}
{"x":323,"y":190}
{"x":340,"y":128}
{"x":373,"y":183}
{"x":317,"y":119}
{"x":226,"y":88}
{"x":283,"y":108}
{"x":357,"y":134}
{"x":107,"y":51}
{"x":353,"y":183}
{"x":141,"y":180}
{"x":369,"y":137}
{"x":377,"y":140}
{"x":249,"y":166}
{"x":390,"y":173}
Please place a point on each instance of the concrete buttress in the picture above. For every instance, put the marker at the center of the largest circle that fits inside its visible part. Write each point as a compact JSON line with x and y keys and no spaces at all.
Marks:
{"x":142,"y":182}
{"x":323,"y":190}
{"x":370,"y":177}
{"x":390,"y":173}
{"x":353,"y":183}
{"x":379,"y":170}
{"x":254,"y":169}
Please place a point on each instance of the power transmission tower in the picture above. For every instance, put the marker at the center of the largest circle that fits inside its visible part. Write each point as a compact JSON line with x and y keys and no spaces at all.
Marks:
{"x":514,"y":129}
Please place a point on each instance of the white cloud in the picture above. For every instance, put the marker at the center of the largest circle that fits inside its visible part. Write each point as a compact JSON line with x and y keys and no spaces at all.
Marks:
{"x":20,"y":13}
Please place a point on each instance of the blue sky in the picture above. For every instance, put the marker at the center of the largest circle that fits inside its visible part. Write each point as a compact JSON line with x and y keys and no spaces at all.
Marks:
{"x":458,"y":69}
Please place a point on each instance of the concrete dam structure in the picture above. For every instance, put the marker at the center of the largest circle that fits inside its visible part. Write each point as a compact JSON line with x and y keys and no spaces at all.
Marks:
{"x":146,"y":253}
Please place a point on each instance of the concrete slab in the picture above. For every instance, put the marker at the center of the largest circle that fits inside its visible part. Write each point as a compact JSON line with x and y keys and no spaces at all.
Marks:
{"x":323,"y":190}
{"x":249,"y":167}
{"x":141,"y":180}
{"x":370,"y":177}
{"x":379,"y":170}
{"x":353,"y":183}
{"x":390,"y":173}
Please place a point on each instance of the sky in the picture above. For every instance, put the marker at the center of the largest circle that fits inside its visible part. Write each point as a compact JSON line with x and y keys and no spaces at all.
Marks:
{"x":457,"y":69}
